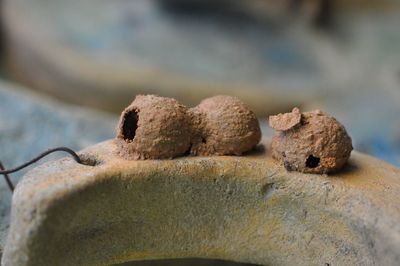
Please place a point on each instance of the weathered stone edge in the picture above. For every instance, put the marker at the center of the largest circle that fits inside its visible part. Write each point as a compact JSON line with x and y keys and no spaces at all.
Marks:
{"x":360,"y":202}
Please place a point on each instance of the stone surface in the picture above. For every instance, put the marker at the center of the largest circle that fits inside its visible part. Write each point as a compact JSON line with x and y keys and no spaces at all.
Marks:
{"x":30,"y":124}
{"x":245,"y":209}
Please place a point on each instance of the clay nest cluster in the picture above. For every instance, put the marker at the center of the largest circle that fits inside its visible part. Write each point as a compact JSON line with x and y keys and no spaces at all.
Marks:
{"x":154,"y":127}
{"x":310,"y":142}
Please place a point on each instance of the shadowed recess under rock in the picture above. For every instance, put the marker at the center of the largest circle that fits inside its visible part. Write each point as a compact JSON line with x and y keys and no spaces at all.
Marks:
{"x":185,"y":262}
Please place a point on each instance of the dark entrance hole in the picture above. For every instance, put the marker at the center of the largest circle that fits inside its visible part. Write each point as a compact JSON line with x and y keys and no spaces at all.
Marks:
{"x":312,"y":161}
{"x":130,"y":125}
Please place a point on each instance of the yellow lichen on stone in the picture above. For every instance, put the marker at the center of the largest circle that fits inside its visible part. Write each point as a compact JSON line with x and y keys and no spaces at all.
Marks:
{"x":245,"y":209}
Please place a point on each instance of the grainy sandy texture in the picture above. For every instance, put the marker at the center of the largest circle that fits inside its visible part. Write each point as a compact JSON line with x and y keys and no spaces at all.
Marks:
{"x":224,"y":125}
{"x":318,"y":144}
{"x":246,"y":209}
{"x":153,"y":127}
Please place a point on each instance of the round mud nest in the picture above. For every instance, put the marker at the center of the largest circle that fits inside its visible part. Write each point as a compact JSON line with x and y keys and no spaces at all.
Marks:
{"x":223,"y":125}
{"x":153,"y":127}
{"x":310,"y":142}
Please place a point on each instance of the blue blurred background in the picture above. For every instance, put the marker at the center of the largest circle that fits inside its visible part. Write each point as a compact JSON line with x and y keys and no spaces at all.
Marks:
{"x":339,"y":56}
{"x":67,"y":68}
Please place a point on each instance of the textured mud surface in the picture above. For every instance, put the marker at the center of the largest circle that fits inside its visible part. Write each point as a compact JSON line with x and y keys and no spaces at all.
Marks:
{"x":286,"y":121}
{"x":153,"y":127}
{"x":224,"y":125}
{"x":310,"y":142}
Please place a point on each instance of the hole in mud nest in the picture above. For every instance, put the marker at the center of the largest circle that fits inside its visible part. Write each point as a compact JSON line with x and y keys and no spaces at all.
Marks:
{"x":89,"y":160}
{"x":130,"y":125}
{"x":312,"y":161}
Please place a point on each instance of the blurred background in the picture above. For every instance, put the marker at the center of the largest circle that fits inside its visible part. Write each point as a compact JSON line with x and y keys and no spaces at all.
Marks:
{"x":68,"y":68}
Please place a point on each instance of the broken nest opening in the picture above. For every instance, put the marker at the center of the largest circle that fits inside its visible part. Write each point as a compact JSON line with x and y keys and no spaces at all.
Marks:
{"x":130,"y":125}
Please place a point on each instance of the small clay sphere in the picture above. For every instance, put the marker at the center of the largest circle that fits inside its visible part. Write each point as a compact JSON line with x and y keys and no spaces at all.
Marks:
{"x":310,"y":142}
{"x":223,"y":125}
{"x":153,"y":127}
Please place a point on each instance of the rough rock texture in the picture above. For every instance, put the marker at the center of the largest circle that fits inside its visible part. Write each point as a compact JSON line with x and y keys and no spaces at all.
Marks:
{"x":246,"y":209}
{"x":153,"y":127}
{"x":30,"y":124}
{"x":318,"y":144}
{"x":224,"y":125}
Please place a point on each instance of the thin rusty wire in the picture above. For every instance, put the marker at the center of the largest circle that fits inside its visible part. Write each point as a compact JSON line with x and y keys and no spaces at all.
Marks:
{"x":7,"y":178}
{"x":6,"y":173}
